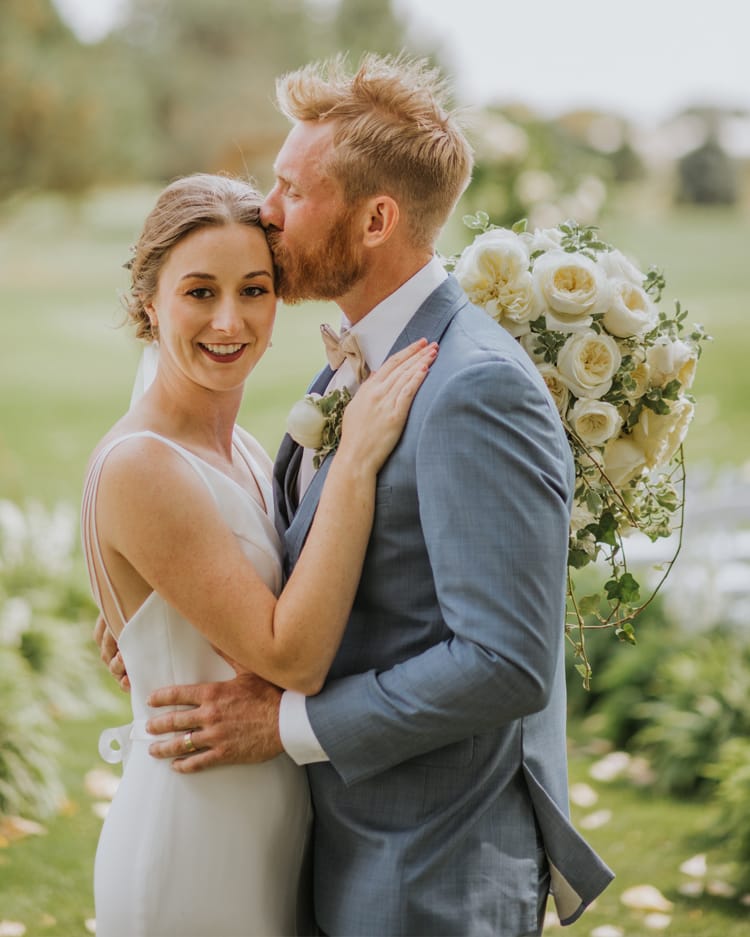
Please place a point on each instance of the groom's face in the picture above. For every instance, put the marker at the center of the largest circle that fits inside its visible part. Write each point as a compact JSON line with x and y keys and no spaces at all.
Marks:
{"x":312,"y":231}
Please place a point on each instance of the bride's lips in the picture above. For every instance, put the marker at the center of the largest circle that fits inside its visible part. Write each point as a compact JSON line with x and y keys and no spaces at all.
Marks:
{"x":224,"y":354}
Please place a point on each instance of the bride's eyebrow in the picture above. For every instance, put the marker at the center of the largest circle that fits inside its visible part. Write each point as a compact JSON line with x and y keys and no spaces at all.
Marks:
{"x":209,"y":276}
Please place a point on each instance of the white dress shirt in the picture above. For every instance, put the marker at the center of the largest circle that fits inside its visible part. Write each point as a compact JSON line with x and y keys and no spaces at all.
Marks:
{"x":376,"y":334}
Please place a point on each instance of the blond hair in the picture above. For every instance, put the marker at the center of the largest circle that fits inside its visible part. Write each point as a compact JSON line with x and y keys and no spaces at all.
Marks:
{"x":394,"y":135}
{"x":197,"y":201}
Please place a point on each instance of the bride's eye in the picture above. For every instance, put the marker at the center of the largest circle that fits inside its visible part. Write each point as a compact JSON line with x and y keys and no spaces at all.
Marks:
{"x":200,"y":292}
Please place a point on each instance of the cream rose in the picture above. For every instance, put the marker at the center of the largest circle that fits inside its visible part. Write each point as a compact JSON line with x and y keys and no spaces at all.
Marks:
{"x":305,"y":422}
{"x":494,"y":273}
{"x":630,"y":312}
{"x":595,"y":422}
{"x":617,"y":266}
{"x":661,"y":435}
{"x":587,"y":362}
{"x":558,"y":390}
{"x":573,"y":288}
{"x":670,"y":360}
{"x":623,"y":460}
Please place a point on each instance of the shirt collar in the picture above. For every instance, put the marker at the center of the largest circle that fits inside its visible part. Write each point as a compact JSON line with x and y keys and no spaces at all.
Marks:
{"x":379,"y":329}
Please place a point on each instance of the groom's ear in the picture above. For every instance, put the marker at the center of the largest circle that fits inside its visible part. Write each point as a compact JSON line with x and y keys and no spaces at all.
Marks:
{"x":380,"y":215}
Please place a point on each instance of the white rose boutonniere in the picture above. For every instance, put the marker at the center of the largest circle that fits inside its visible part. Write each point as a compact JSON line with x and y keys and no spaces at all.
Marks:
{"x":618,"y":370}
{"x":315,"y":422}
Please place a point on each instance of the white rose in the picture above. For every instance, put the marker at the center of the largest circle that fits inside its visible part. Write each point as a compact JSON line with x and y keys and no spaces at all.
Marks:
{"x":541,"y":239}
{"x":595,"y":422}
{"x":641,"y":376}
{"x":623,"y":460}
{"x":670,"y":360}
{"x":305,"y":422}
{"x":630,"y":312}
{"x":587,"y":362}
{"x":494,"y":273}
{"x":661,"y":435}
{"x":617,"y":266}
{"x":558,"y":390}
{"x":573,"y":287}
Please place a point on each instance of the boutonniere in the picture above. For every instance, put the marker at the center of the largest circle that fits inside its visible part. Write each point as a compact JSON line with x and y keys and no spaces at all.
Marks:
{"x":315,"y":422}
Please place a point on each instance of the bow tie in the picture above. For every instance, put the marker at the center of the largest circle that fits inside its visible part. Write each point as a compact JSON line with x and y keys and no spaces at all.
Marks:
{"x":341,"y":347}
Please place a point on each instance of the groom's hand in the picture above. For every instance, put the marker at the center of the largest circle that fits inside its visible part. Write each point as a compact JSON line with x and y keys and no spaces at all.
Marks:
{"x":232,"y":722}
{"x":110,"y":653}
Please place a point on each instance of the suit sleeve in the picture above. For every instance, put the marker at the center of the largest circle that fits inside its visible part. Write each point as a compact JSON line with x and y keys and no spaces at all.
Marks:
{"x":494,"y":477}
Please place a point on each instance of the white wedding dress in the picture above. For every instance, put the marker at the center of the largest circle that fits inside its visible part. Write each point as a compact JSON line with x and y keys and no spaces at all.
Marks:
{"x":220,"y":853}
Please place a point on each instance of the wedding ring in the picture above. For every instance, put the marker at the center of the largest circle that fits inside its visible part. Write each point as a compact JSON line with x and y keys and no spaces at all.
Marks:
{"x":187,"y":741}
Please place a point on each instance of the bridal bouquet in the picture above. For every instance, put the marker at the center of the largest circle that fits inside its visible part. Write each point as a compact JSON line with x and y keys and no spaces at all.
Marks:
{"x":619,"y":371}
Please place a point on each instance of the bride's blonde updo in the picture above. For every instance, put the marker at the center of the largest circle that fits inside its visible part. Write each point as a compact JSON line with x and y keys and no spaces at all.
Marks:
{"x":196,"y":201}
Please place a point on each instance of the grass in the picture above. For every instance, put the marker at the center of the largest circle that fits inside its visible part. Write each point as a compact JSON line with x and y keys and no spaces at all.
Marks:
{"x":66,"y":376}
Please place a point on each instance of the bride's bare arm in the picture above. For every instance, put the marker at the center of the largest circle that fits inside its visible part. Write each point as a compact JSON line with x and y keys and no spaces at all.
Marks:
{"x":163,"y":523}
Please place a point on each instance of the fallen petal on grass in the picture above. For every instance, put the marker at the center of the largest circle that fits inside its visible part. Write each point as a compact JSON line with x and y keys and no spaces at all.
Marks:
{"x":610,"y":767}
{"x":695,"y":866}
{"x":645,"y":898}
{"x":595,"y":820}
{"x":657,"y":921}
{"x":692,"y":889}
{"x":720,"y":889}
{"x":12,"y":929}
{"x":583,"y":795}
{"x":13,"y":828}
{"x":607,"y":930}
{"x":101,"y":784}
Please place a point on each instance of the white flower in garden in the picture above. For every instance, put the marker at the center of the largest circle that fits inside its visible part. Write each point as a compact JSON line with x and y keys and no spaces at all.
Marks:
{"x":494,"y":273}
{"x":574,"y":288}
{"x":558,"y":390}
{"x":588,"y":362}
{"x":672,"y":360}
{"x":15,"y":618}
{"x":306,"y":421}
{"x":659,"y":436}
{"x":624,"y":460}
{"x":595,"y":422}
{"x":13,"y":534}
{"x":630,"y":312}
{"x":53,"y":536}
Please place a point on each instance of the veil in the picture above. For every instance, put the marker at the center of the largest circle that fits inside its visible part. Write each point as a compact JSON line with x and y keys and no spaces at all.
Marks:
{"x":146,"y":371}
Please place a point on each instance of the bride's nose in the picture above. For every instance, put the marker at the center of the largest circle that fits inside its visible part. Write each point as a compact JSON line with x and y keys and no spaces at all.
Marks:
{"x":227,"y":316}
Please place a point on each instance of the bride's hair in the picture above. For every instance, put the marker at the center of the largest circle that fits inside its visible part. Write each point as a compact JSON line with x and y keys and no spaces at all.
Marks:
{"x":196,"y":201}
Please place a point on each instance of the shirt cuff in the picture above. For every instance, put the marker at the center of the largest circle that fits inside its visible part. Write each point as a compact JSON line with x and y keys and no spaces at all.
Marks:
{"x":297,"y":736}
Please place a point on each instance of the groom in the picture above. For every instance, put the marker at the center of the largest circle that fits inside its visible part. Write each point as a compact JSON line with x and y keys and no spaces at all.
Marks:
{"x":436,"y":750}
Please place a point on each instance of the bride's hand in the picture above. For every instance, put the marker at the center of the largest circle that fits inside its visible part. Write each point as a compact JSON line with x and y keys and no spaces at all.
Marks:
{"x":376,"y":416}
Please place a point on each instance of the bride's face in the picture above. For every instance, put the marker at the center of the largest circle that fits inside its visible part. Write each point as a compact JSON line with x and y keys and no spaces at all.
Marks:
{"x":215,"y":305}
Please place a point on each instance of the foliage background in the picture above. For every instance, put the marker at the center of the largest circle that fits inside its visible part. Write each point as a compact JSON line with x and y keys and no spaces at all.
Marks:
{"x":91,"y":132}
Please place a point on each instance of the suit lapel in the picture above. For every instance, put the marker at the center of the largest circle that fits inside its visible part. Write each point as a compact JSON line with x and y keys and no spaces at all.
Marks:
{"x":287,"y":464}
{"x":434,"y":315}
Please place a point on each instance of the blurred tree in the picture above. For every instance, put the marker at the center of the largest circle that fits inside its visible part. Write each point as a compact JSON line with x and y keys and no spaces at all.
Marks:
{"x":46,"y":107}
{"x":367,"y":26}
{"x":707,"y":176}
{"x":209,"y":72}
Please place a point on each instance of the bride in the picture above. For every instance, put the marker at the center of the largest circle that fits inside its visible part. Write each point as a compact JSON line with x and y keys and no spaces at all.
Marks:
{"x":184,"y":563}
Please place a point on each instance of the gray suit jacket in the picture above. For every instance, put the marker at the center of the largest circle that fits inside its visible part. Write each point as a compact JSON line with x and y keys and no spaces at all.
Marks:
{"x":444,"y":711}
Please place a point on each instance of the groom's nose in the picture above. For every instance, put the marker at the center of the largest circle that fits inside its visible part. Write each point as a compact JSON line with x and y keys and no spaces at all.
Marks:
{"x":270,"y":213}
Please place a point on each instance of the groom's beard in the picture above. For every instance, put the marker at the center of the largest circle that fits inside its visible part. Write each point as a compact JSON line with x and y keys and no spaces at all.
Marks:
{"x":326,"y":271}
